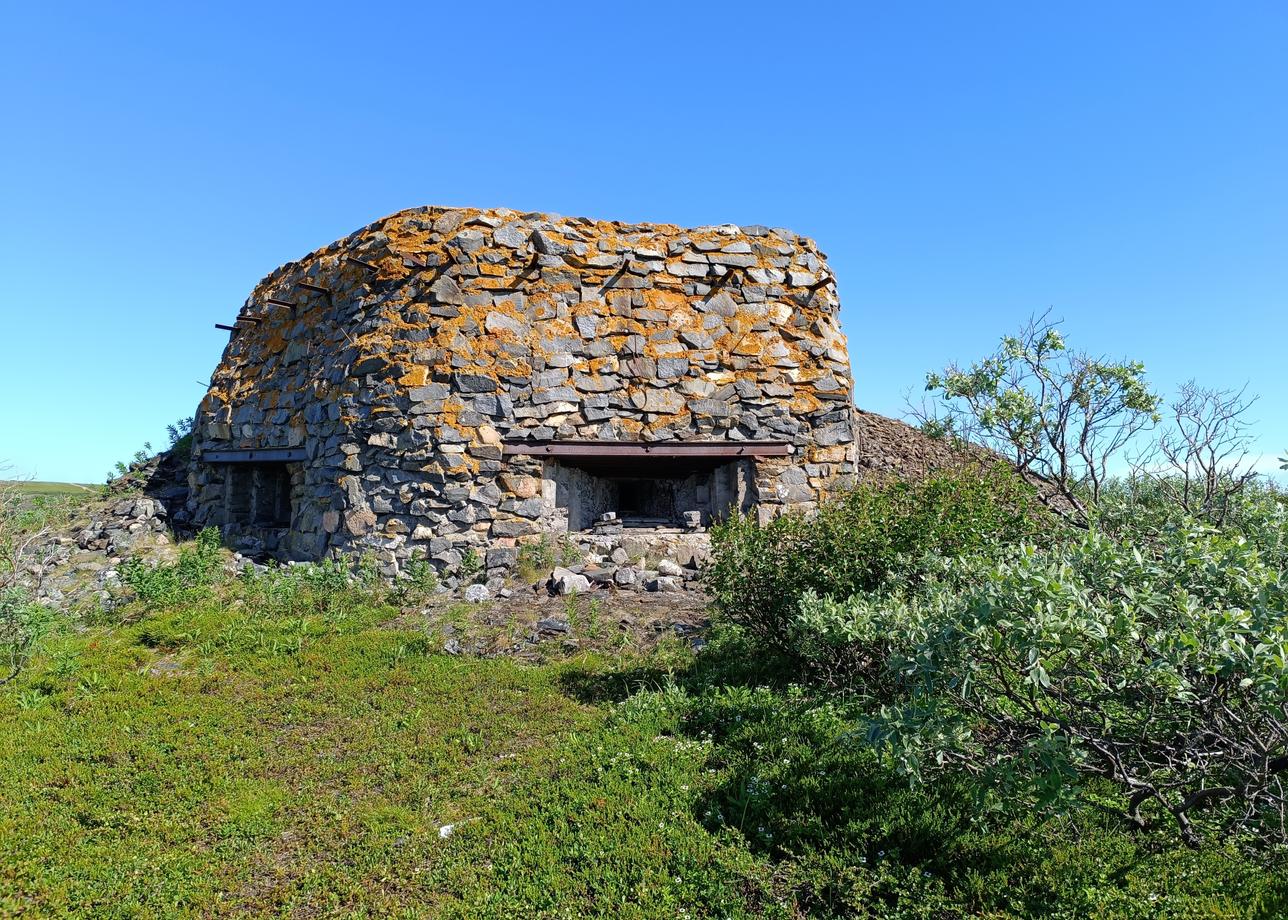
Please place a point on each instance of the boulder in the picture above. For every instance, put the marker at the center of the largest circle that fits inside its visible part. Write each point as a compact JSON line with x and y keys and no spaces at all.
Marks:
{"x":565,"y":581}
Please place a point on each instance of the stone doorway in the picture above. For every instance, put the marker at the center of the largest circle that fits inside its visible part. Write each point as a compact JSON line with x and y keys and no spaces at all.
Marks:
{"x":647,"y":493}
{"x":260,"y":500}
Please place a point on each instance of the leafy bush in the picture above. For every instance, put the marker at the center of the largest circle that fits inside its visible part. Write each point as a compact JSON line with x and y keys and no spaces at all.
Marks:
{"x":1142,"y":509}
{"x":1143,"y":665}
{"x":23,"y":623}
{"x":197,"y":567}
{"x":538,"y":558}
{"x":875,"y":537}
{"x":783,"y":777}
{"x":1163,"y":672}
{"x":419,"y":582}
{"x":470,"y":567}
{"x":325,"y":588}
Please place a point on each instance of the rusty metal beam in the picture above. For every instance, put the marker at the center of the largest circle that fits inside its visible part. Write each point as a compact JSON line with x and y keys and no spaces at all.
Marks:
{"x":309,"y":286}
{"x":225,"y":327}
{"x":279,"y":303}
{"x":628,"y":449}
{"x":258,"y":455}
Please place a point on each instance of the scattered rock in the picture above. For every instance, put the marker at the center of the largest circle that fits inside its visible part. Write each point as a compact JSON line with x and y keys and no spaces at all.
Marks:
{"x":565,"y":581}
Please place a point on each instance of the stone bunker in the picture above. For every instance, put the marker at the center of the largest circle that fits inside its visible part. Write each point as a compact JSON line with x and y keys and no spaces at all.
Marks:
{"x":452,"y":384}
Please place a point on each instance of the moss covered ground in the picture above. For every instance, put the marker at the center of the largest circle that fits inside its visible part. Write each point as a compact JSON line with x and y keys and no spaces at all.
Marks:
{"x":280,"y":749}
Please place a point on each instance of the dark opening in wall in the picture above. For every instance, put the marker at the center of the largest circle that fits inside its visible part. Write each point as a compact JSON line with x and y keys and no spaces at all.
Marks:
{"x":259,"y":495}
{"x":649,"y":492}
{"x":646,"y":498}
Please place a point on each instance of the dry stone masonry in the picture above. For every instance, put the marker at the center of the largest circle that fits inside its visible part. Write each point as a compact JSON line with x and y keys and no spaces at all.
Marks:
{"x":453,"y":384}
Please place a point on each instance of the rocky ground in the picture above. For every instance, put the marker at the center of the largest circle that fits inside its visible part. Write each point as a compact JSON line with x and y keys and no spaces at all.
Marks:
{"x":649,"y":579}
{"x":610,"y":591}
{"x":533,"y":625}
{"x":138,"y":514}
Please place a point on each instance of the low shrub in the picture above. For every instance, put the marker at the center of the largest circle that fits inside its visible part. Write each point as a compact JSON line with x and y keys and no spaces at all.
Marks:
{"x":1142,"y":509}
{"x":23,"y":623}
{"x":197,"y":567}
{"x":329,"y":588}
{"x":537,"y":559}
{"x":417,"y":584}
{"x":876,"y":537}
{"x":1161,"y":671}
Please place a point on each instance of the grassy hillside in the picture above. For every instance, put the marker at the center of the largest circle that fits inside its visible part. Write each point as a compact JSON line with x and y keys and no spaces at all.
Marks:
{"x":50,"y":488}
{"x":290,"y":746}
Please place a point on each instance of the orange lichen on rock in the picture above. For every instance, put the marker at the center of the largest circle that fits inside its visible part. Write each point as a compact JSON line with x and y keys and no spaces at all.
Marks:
{"x":429,"y":341}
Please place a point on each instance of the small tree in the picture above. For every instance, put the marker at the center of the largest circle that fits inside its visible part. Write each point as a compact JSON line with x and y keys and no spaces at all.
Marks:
{"x":25,"y":529}
{"x":1054,"y":413}
{"x":23,"y":533}
{"x":1201,"y":460}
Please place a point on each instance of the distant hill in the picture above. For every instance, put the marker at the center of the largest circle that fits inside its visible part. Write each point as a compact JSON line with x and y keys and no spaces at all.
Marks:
{"x":50,"y":488}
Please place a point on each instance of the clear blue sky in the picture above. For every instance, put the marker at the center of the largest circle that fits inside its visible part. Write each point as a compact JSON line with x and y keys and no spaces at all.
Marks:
{"x":962,"y":164}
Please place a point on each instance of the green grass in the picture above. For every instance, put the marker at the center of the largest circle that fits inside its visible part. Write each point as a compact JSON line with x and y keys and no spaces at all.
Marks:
{"x":216,"y":759}
{"x":267,"y":749}
{"x":51,"y":488}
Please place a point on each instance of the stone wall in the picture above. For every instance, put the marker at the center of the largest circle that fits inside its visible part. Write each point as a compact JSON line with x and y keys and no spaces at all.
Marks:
{"x":402,"y":358}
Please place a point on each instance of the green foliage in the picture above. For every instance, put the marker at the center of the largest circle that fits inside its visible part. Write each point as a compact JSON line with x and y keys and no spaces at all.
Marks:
{"x":272,"y":745}
{"x":1060,"y":414}
{"x":1142,"y":666}
{"x":366,"y":570}
{"x":328,"y":588}
{"x":23,"y":624}
{"x":872,"y":539}
{"x":1142,"y":509}
{"x":241,"y":754}
{"x":180,"y":435}
{"x":471,"y":565}
{"x":198,"y":565}
{"x":1164,"y":672}
{"x":121,"y":469}
{"x":417,"y":584}
{"x":28,"y":513}
{"x":851,"y":838}
{"x":180,"y":429}
{"x":538,"y":558}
